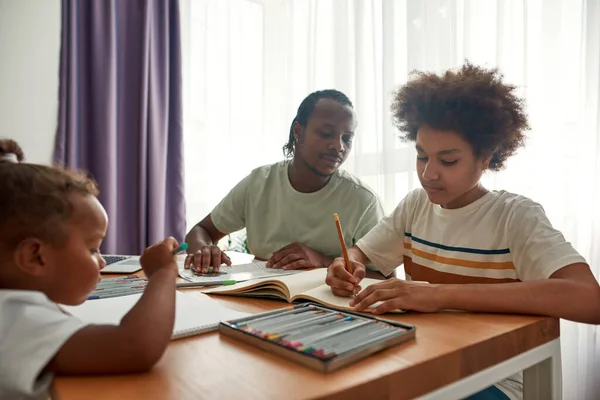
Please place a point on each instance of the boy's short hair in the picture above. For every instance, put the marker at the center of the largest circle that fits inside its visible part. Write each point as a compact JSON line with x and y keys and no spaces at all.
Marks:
{"x":472,"y":101}
{"x":35,"y":201}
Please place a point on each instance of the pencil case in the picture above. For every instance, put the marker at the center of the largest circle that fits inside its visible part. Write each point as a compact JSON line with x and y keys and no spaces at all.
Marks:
{"x":317,"y":336}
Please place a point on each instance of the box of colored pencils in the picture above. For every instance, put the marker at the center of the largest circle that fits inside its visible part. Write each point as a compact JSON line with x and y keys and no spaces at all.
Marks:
{"x":115,"y":287}
{"x":317,"y":336}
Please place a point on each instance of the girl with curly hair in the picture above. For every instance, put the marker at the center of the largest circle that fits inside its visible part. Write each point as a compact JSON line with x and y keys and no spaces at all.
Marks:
{"x":480,"y":250}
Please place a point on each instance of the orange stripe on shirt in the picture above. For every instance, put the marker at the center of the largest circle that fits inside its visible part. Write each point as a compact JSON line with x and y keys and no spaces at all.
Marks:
{"x":418,"y":272}
{"x":459,"y":262}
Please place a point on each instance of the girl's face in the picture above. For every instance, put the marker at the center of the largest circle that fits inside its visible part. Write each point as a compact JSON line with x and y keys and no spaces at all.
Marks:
{"x":447,"y":167}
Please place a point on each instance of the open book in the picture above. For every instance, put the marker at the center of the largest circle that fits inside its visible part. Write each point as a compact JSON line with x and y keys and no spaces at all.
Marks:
{"x":236,"y":272}
{"x":309,"y":285}
{"x":194,"y":313}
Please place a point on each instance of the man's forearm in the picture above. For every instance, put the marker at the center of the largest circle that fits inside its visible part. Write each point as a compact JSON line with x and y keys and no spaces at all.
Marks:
{"x":196,"y":238}
{"x":325,"y":261}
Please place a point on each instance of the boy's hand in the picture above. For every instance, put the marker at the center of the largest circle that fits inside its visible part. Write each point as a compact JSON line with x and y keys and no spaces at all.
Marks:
{"x":159,"y":256}
{"x":342,"y":282}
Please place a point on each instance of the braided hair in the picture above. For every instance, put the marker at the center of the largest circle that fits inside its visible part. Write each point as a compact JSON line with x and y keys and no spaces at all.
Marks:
{"x":305,"y":110}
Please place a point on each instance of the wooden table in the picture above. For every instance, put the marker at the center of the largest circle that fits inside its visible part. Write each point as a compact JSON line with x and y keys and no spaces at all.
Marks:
{"x":454,"y":355}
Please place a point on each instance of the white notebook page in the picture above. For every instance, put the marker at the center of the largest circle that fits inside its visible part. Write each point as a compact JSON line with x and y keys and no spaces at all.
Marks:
{"x":194,"y":313}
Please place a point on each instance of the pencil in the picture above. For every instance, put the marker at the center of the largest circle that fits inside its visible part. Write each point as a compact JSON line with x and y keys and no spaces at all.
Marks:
{"x":269,"y":314}
{"x":115,"y":294}
{"x":338,"y":225}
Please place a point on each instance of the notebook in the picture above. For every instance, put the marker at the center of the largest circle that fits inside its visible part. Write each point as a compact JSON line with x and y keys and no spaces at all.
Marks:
{"x":194,"y":314}
{"x":308,"y":285}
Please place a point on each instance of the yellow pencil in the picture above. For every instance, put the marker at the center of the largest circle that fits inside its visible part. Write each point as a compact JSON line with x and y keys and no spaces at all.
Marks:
{"x":338,"y":225}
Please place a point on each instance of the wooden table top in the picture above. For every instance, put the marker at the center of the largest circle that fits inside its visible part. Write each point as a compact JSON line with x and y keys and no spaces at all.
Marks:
{"x":448,"y":346}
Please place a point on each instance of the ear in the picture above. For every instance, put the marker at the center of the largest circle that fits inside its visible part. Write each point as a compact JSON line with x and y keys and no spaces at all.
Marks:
{"x":298,"y":131}
{"x":485,"y":163}
{"x":29,"y":257}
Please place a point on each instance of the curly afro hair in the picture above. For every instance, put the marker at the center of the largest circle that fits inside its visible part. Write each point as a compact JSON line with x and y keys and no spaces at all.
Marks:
{"x":472,"y":101}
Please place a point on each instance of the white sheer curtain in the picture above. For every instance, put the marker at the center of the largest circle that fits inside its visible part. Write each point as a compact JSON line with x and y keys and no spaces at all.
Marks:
{"x":248,"y":65}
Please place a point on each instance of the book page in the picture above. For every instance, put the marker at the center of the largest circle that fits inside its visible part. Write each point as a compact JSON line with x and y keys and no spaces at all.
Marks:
{"x":197,"y":313}
{"x":194,"y":313}
{"x":249,"y":286}
{"x":291,"y":285}
{"x":265,"y":289}
{"x":266,"y":292}
{"x":235,"y":272}
{"x":325,"y":296}
{"x":239,"y":258}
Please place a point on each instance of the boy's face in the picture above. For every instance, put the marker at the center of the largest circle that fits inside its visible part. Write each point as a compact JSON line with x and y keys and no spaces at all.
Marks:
{"x":448,"y":170}
{"x":326,"y":141}
{"x":74,"y":268}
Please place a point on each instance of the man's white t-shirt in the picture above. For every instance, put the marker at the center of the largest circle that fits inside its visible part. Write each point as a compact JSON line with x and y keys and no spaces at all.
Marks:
{"x":275,"y":214}
{"x":501,"y":237}
{"x":32,"y":330}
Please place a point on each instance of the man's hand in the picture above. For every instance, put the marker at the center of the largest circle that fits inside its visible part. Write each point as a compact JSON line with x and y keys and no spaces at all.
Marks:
{"x":206,"y":257}
{"x":297,"y":256}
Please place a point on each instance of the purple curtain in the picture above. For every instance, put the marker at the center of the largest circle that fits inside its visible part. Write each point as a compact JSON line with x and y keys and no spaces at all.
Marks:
{"x":120,"y":114}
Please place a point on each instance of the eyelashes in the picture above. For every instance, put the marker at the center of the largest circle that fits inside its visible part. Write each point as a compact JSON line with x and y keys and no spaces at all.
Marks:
{"x":443,"y":162}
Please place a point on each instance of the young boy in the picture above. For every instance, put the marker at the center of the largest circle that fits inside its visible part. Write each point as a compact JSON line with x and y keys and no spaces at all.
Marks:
{"x":51,"y":227}
{"x":480,"y":250}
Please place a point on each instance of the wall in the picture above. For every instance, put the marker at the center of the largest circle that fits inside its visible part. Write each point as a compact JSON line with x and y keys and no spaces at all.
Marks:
{"x":29,"y":62}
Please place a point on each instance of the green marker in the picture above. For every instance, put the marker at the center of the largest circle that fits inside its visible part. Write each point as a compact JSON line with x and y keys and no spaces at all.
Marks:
{"x":182,"y":247}
{"x":198,"y":284}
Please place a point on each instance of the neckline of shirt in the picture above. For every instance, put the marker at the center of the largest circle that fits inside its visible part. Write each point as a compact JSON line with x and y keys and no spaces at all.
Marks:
{"x":321,"y":192}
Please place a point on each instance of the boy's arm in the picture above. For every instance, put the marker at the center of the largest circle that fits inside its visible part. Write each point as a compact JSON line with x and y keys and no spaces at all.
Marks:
{"x":571,"y":293}
{"x":133,"y":346}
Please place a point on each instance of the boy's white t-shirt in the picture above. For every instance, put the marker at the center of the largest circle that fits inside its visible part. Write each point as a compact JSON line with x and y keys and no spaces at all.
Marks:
{"x":275,"y":214}
{"x":501,"y":237}
{"x":32,"y":330}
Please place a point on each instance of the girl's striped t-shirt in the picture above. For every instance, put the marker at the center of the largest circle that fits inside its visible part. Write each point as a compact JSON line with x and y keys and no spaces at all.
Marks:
{"x":501,"y":237}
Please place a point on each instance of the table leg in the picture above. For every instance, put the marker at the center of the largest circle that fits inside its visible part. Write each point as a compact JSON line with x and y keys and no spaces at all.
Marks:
{"x":544,"y":379}
{"x":542,"y":376}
